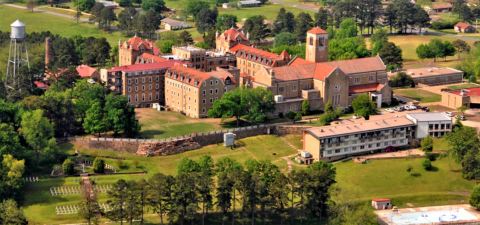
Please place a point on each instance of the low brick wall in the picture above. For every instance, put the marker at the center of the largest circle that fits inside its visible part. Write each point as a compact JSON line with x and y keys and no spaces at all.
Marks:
{"x":169,"y":146}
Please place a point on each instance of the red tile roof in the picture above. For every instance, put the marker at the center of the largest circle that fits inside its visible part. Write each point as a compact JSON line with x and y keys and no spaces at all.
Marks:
{"x":462,"y":25}
{"x":222,"y":74}
{"x":40,"y":84}
{"x":381,"y":200}
{"x":152,"y":58}
{"x":85,"y":71}
{"x":135,"y":43}
{"x":317,"y":30}
{"x":358,"y":89}
{"x":319,"y":71}
{"x":143,"y":67}
{"x":468,"y":91}
{"x":360,"y":65}
{"x":232,"y":34}
{"x":261,"y":54}
{"x":189,"y":75}
{"x":445,"y":5}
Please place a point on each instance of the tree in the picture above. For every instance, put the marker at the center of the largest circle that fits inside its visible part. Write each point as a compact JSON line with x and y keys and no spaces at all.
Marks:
{"x":118,"y":195}
{"x":424,"y":52}
{"x":348,"y":29}
{"x":304,"y":22}
{"x":11,"y":172}
{"x":420,"y":18}
{"x":427,"y":164}
{"x":294,"y":116}
{"x":461,"y":141}
{"x":391,"y":56}
{"x":37,"y":131}
{"x":475,"y":197}
{"x":99,"y":165}
{"x":256,"y":28}
{"x":285,"y":38}
{"x":185,"y":38}
{"x":461,"y":47}
{"x":285,"y":22}
{"x":107,"y":17}
{"x":160,"y":194}
{"x":205,"y":20}
{"x":96,"y":12}
{"x":192,"y":8}
{"x":147,"y":23}
{"x":116,"y":107}
{"x":68,"y":167}
{"x":379,"y":39}
{"x":251,"y":104}
{"x":11,"y":214}
{"x":125,"y":3}
{"x":363,"y":106}
{"x":90,"y":210}
{"x":321,"y":176}
{"x":185,"y":197}
{"x":84,"y":5}
{"x":305,"y":107}
{"x":95,"y":120}
{"x":321,"y":18}
{"x":205,"y":185}
{"x":126,"y":21}
{"x":427,"y":144}
{"x":225,"y":22}
{"x":401,"y":79}
{"x":155,"y":5}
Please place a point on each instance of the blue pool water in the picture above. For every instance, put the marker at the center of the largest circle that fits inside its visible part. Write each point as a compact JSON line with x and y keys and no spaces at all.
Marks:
{"x":429,"y":217}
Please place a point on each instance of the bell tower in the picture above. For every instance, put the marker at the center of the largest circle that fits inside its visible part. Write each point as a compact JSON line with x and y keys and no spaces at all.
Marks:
{"x":316,"y":48}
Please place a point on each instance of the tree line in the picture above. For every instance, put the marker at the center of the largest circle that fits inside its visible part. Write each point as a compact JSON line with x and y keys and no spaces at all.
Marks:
{"x":224,"y":192}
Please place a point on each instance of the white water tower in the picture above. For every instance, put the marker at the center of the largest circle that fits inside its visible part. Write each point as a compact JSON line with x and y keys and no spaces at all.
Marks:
{"x":17,"y":58}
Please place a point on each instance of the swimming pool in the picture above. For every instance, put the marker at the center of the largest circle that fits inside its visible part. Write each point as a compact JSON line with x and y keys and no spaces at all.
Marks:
{"x":429,"y":217}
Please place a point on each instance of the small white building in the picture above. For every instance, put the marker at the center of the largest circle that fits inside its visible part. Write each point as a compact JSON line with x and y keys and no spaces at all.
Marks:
{"x":171,"y":24}
{"x":435,"y":124}
{"x":381,"y":203}
{"x":249,"y":3}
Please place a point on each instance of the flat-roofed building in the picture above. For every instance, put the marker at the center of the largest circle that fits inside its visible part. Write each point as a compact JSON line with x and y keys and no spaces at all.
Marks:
{"x":435,"y":124}
{"x":201,"y":59}
{"x":468,"y":97}
{"x":143,"y":84}
{"x":338,"y":141}
{"x":192,"y":92}
{"x":435,"y":75}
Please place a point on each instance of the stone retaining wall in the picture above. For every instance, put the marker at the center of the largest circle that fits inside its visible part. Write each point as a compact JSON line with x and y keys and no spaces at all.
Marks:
{"x":169,"y":146}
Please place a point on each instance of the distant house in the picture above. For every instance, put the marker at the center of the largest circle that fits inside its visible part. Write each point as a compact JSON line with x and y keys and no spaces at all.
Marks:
{"x":108,"y":4}
{"x":249,"y":3}
{"x":85,"y":71}
{"x":171,"y":24}
{"x":464,"y":27}
{"x":442,"y":7}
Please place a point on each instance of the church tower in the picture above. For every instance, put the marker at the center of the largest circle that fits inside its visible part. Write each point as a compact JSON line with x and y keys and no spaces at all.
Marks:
{"x":316,"y":49}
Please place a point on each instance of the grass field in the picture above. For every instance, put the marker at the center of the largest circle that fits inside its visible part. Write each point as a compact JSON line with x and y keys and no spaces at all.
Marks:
{"x":363,"y":182}
{"x":409,"y":44}
{"x":55,"y":24}
{"x":164,"y":124}
{"x":269,"y":11}
{"x":462,"y":86}
{"x":418,"y":94}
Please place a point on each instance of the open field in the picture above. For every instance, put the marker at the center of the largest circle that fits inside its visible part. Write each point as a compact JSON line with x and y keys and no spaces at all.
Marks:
{"x":356,"y":182}
{"x":55,"y":24}
{"x":164,"y":124}
{"x":409,"y":44}
{"x":418,"y":94}
{"x":269,"y":11}
{"x":462,"y":86}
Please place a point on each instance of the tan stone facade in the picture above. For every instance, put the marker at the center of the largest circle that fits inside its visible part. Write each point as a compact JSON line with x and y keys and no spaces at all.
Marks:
{"x":230,"y":38}
{"x":201,"y":59}
{"x":129,"y":50}
{"x":192,"y":92}
{"x":316,"y":45}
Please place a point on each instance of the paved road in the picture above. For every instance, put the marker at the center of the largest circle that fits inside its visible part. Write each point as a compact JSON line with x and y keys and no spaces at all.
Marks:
{"x":298,"y":5}
{"x":39,"y":10}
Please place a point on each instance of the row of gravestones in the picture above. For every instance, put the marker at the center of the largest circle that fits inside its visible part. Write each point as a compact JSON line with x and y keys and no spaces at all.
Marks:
{"x":108,"y":166}
{"x":32,"y":179}
{"x":73,"y":209}
{"x":71,"y":190}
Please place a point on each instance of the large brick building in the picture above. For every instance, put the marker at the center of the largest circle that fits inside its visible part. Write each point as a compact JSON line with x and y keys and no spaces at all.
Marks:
{"x":230,"y":38}
{"x":129,"y":50}
{"x":314,"y":79}
{"x":143,"y":84}
{"x":202,"y":59}
{"x":192,"y":92}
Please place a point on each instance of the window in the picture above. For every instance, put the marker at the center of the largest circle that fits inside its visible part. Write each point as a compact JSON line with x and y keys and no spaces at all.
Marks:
{"x":430,"y":126}
{"x":211,"y":83}
{"x":128,"y":81}
{"x":129,"y":89}
{"x":150,"y":87}
{"x":211,"y":91}
{"x":204,"y":101}
{"x":204,"y":92}
{"x":143,"y":80}
{"x":211,"y":100}
{"x":371,"y":78}
{"x":310,"y":41}
{"x":136,"y":80}
{"x":143,"y":87}
{"x":136,"y":88}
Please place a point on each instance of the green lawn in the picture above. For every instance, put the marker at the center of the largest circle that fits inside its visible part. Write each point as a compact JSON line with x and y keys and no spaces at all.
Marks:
{"x":462,"y":86}
{"x":269,"y":11}
{"x":418,"y":94}
{"x":389,"y":179}
{"x":164,"y":124}
{"x":409,"y":44}
{"x":44,"y":22}
{"x":39,"y":205}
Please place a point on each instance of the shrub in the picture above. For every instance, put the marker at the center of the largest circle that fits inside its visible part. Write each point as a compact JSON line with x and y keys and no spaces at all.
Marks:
{"x":121,"y":164}
{"x":427,"y":164}
{"x":427,"y":144}
{"x":68,"y":167}
{"x":475,"y":197}
{"x":409,"y":168}
{"x":99,"y":165}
